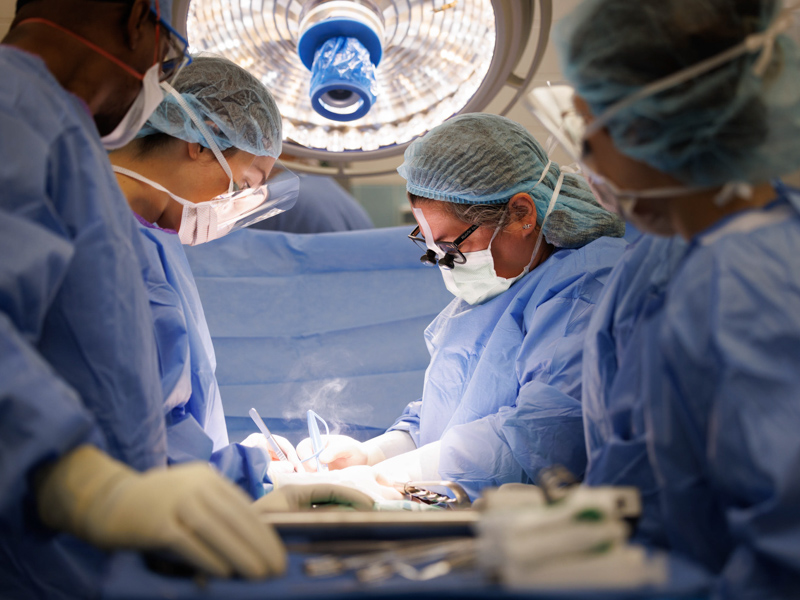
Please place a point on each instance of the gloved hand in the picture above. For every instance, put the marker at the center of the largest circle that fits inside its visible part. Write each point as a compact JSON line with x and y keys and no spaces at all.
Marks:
{"x":189,"y":510}
{"x":257,"y":440}
{"x":362,"y":478}
{"x":342,"y":451}
{"x":301,"y":497}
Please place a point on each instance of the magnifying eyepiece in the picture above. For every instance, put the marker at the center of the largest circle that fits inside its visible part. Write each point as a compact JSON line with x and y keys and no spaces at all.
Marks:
{"x":429,"y":258}
{"x":447,"y":261}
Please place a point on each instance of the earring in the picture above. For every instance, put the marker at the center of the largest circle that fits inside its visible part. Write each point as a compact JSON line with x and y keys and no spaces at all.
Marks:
{"x":526,"y":226}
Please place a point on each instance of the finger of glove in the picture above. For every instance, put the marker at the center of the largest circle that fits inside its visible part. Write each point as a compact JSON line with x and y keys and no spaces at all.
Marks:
{"x":340,"y":494}
{"x":305,"y":449}
{"x":289,"y":451}
{"x":349,"y":453}
{"x":194,"y":551}
{"x":343,"y":463}
{"x":274,"y":501}
{"x":255,"y":440}
{"x":243,"y":520}
{"x":233,"y":536}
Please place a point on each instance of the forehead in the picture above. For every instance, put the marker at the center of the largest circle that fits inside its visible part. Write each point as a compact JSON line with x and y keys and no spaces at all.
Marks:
{"x":444,"y":226}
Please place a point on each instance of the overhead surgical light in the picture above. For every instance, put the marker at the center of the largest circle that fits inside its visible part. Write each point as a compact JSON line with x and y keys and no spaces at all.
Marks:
{"x":341,"y":43}
{"x":432,"y":59}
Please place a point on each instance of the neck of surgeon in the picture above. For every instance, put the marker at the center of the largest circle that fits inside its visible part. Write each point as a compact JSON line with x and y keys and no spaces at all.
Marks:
{"x":153,"y":205}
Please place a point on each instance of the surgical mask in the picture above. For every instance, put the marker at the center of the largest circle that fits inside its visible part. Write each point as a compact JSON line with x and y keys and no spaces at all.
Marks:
{"x":205,"y":221}
{"x":150,"y":96}
{"x":476,"y":280}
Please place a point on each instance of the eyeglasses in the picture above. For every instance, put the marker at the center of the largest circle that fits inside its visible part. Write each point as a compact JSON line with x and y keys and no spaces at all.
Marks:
{"x":452,"y":255}
{"x":177,"y":52}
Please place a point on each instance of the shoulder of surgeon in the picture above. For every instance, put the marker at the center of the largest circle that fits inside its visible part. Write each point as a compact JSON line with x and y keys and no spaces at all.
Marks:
{"x":577,"y":272}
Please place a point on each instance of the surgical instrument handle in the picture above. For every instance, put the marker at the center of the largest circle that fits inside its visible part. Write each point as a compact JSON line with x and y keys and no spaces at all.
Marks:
{"x":270,"y":440}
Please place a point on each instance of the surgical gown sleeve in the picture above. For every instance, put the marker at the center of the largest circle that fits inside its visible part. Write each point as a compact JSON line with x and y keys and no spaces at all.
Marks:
{"x":42,"y":417}
{"x":409,"y":421}
{"x":726,"y":423}
{"x":194,"y":415}
{"x":544,"y":427}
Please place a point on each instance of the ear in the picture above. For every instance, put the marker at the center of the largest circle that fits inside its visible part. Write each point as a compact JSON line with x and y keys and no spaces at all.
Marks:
{"x":194,"y":150}
{"x":523,"y":207}
{"x":137,"y":23}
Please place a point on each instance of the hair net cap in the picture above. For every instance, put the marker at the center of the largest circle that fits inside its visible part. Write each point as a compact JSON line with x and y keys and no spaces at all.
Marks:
{"x":726,"y":125}
{"x":480,"y":158}
{"x":239,"y":110}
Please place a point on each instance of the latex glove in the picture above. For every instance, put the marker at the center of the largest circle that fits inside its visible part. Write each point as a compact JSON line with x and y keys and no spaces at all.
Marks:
{"x":421,"y":464}
{"x":258,"y":440}
{"x":302,"y":497}
{"x":189,"y":510}
{"x":342,"y":451}
{"x":362,"y":478}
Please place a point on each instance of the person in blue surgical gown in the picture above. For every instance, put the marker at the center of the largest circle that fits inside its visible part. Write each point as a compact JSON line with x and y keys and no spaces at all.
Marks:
{"x":692,"y":364}
{"x":82,"y":437}
{"x":171,"y":172}
{"x":526,"y":250}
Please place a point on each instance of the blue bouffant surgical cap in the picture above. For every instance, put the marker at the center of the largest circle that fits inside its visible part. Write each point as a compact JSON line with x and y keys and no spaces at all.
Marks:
{"x":486,"y":159}
{"x":237,"y":108}
{"x":726,"y":125}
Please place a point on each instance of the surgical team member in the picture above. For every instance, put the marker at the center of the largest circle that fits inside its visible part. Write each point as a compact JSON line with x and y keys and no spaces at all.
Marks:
{"x":526,"y":250}
{"x":82,"y":433}
{"x":218,"y":127}
{"x":693,"y":390}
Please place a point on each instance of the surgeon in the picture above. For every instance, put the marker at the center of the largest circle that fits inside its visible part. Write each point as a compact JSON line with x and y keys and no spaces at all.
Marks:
{"x":218,"y":129}
{"x":525,"y":249}
{"x":691,"y":371}
{"x":82,"y":441}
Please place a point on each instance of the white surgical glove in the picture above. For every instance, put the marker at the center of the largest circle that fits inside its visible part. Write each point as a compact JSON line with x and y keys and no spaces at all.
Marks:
{"x":189,"y":510}
{"x":342,"y":451}
{"x":302,"y":497}
{"x":362,"y":478}
{"x":258,"y":440}
{"x":421,"y":464}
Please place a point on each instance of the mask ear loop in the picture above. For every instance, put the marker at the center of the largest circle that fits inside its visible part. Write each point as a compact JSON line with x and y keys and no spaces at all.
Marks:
{"x":151,"y":183}
{"x":203,"y":129}
{"x":553,"y":198}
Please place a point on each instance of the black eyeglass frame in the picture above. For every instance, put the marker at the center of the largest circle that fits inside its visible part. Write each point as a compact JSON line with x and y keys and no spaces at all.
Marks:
{"x":452,"y":254}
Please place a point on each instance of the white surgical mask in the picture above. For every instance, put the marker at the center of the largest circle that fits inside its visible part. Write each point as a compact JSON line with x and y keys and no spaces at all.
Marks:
{"x":150,"y":96}
{"x":202,"y":222}
{"x":476,"y":281}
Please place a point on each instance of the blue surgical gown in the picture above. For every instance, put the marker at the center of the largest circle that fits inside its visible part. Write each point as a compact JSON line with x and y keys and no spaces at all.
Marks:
{"x":616,"y":440}
{"x":193,"y":407}
{"x":503,"y":389}
{"x":719,"y":380}
{"x":78,"y":360}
